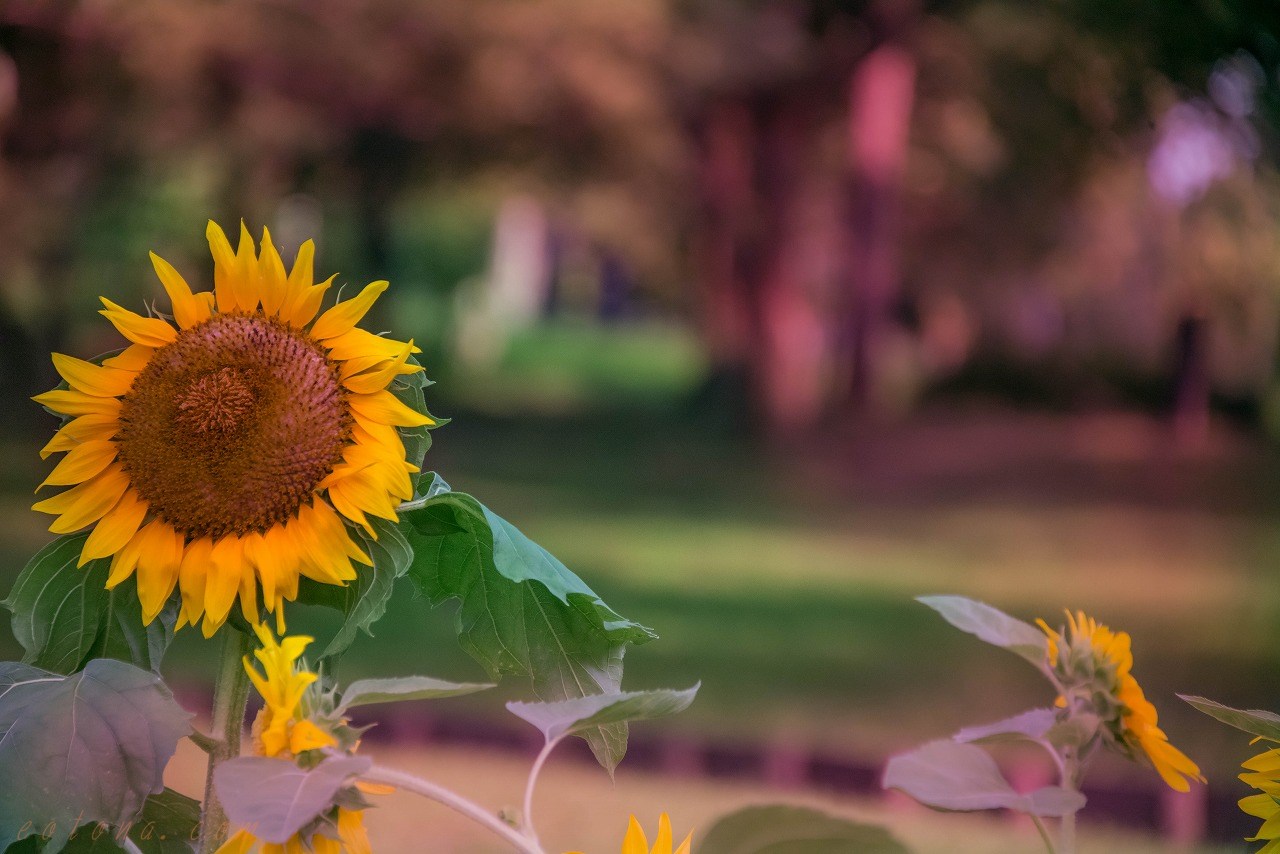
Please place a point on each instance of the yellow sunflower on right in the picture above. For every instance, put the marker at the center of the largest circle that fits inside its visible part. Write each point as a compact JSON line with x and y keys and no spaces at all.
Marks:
{"x":635,"y":842}
{"x":1262,"y":772}
{"x":223,"y":450}
{"x":1094,"y":664}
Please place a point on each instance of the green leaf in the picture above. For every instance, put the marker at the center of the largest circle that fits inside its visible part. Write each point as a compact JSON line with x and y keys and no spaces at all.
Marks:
{"x":991,"y":625}
{"x":169,"y":824}
{"x":779,"y":829}
{"x":417,"y":440}
{"x":1257,"y":722}
{"x":88,"y":747}
{"x":366,"y":692}
{"x":1033,"y":725}
{"x":276,"y":798}
{"x":523,"y":612}
{"x":363,"y":599}
{"x":568,"y":717}
{"x":951,"y":776}
{"x":64,"y":616}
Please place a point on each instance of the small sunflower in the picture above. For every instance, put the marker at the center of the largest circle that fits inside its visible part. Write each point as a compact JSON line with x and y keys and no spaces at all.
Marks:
{"x":224,"y":449}
{"x":635,"y":842}
{"x":1094,"y":666}
{"x":298,"y":717}
{"x":1263,"y":774}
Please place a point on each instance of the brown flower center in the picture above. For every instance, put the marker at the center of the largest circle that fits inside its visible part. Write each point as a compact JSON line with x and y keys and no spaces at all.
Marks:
{"x":230,"y":428}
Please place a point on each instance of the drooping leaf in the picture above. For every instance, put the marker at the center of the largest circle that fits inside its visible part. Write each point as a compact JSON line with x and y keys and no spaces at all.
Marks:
{"x":947,"y":775}
{"x":64,"y":616}
{"x":275,"y":798}
{"x":366,"y":692}
{"x":1033,"y":724}
{"x":364,"y":599}
{"x":90,"y":747}
{"x":1257,"y":722}
{"x":780,"y":829}
{"x":522,"y":611}
{"x":567,"y":717}
{"x":991,"y":625}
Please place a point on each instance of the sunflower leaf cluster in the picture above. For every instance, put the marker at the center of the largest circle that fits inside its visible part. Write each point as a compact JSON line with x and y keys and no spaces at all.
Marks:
{"x":1098,"y":704}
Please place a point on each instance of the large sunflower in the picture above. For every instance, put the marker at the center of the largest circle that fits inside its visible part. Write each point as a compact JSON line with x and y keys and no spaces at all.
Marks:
{"x":221,"y":451}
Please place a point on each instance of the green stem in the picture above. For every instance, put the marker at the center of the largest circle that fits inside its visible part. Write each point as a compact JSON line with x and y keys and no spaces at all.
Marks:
{"x":1044,"y":834}
{"x":1068,"y":832}
{"x":230,"y":694}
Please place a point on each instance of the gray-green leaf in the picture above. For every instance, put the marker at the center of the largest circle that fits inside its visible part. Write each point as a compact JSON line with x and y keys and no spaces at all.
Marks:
{"x":523,"y":612}
{"x":64,"y":616}
{"x":1034,"y":725}
{"x":1257,"y":722}
{"x":363,"y":599}
{"x":779,"y":829}
{"x":951,"y":776}
{"x":83,"y":748}
{"x":991,"y":625}
{"x":275,"y":798}
{"x":366,"y":692}
{"x":567,"y":717}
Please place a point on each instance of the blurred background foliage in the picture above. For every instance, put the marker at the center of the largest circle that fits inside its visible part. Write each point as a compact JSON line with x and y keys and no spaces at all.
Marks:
{"x":765,"y":316}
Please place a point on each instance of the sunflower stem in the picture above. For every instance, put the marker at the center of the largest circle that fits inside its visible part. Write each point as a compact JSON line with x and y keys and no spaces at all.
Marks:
{"x":438,"y":793}
{"x":230,"y":694}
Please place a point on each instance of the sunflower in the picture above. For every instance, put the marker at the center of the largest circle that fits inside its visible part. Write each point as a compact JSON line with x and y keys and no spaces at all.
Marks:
{"x":297,"y":717}
{"x":1094,"y":666}
{"x":1263,"y":774}
{"x":225,"y":448}
{"x":635,"y":842}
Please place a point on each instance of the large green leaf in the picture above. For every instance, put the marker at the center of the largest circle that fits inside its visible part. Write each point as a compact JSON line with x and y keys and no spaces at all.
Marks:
{"x":991,"y":625}
{"x":582,"y":714}
{"x":948,"y":775}
{"x":1257,"y":722}
{"x":780,"y":829}
{"x":169,"y":824}
{"x":90,"y":747}
{"x":522,"y":611}
{"x":64,"y":616}
{"x":364,"y":599}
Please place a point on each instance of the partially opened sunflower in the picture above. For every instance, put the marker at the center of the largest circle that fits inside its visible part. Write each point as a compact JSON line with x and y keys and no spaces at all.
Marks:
{"x":224,"y":449}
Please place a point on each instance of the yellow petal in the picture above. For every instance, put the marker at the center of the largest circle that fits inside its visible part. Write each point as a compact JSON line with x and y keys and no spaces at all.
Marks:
{"x":343,"y":316}
{"x":193,"y":577}
{"x":159,"y":557}
{"x":69,"y":402}
{"x":131,"y":358}
{"x":685,"y":846}
{"x":240,"y":843}
{"x":97,"y":425}
{"x":245,"y":282}
{"x":351,"y":830}
{"x":271,"y":276}
{"x":148,"y":331}
{"x":635,"y":842}
{"x":87,"y":503}
{"x":187,"y":310}
{"x":82,"y":462}
{"x":307,"y":736}
{"x":358,"y":343}
{"x":663,"y":842}
{"x":225,"y":268}
{"x":92,"y":379}
{"x":383,"y":407}
{"x":226,"y":562}
{"x":380,"y":376}
{"x":115,"y":529}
